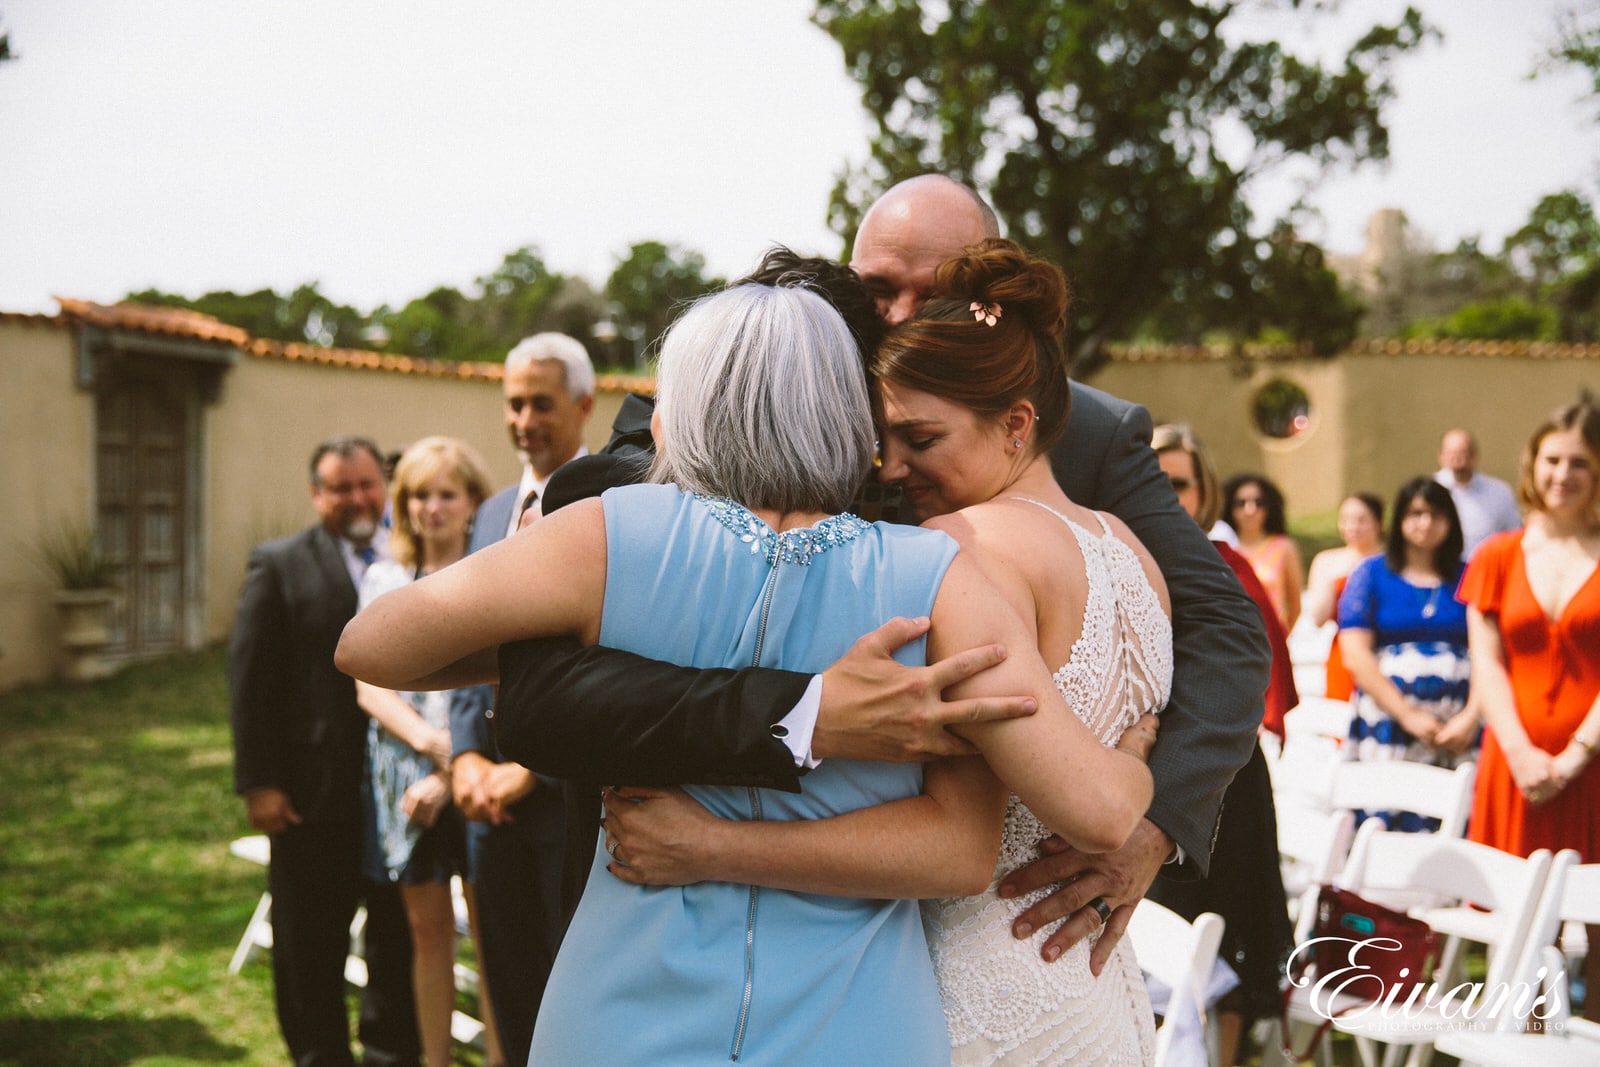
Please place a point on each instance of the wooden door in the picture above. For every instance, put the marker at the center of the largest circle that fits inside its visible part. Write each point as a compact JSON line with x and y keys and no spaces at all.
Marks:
{"x":142,"y":452}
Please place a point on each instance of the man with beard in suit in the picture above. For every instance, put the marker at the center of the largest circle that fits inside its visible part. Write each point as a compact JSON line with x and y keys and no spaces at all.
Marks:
{"x":300,"y":743}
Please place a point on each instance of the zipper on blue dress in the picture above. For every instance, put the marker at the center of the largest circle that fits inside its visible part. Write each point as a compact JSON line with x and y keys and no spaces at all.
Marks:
{"x":755,"y":813}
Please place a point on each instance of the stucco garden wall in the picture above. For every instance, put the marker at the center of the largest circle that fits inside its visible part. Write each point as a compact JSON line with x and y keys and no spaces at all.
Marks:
{"x":1375,"y":413}
{"x":47,"y":428}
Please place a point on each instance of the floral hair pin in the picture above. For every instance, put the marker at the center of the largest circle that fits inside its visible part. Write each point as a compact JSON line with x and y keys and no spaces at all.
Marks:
{"x":987,"y":314}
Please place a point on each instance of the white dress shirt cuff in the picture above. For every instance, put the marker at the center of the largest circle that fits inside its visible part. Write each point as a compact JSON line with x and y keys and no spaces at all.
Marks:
{"x":795,"y":729}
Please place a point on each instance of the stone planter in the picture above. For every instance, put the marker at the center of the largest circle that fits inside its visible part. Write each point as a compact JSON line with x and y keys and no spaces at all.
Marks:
{"x":86,"y":631}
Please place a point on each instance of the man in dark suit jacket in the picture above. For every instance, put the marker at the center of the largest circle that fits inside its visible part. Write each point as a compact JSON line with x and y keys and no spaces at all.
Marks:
{"x":650,"y":723}
{"x":300,"y":741}
{"x":515,"y":833}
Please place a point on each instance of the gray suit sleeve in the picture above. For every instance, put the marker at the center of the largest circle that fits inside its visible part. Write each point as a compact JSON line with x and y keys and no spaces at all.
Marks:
{"x":1221,"y":661}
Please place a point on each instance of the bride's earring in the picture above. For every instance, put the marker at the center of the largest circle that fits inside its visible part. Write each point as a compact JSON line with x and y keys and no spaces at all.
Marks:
{"x":1016,"y":442}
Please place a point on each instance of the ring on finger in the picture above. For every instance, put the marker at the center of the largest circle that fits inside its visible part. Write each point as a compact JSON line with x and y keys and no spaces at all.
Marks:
{"x":1099,"y":906}
{"x":611,"y":849}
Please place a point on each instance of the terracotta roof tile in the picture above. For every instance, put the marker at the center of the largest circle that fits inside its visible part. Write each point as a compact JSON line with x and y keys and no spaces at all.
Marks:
{"x":193,"y":325}
{"x":144,"y":318}
{"x":1377,"y":347}
{"x":30,"y":317}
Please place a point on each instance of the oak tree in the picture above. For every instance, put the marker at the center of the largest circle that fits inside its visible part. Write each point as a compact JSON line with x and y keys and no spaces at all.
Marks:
{"x":1120,"y":138}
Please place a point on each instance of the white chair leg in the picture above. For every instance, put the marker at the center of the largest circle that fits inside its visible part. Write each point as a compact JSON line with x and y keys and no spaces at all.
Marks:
{"x":355,"y":964}
{"x":1450,"y":961}
{"x":257,"y":935}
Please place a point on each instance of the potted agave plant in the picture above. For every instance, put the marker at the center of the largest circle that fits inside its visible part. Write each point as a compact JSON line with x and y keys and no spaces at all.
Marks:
{"x":86,"y":594}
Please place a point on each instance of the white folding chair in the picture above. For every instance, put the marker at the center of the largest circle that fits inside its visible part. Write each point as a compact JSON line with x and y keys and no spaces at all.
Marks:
{"x":1400,"y":785}
{"x":257,"y":848}
{"x":1572,"y":895}
{"x":1312,"y":848}
{"x":1309,"y":646}
{"x":1384,"y":862}
{"x":1180,"y":955}
{"x":1437,"y":793}
{"x":1314,"y":845}
{"x":1302,"y":766}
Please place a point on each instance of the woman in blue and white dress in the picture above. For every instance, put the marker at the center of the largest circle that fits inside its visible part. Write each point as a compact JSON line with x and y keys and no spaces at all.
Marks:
{"x":1403,"y":634}
{"x":739,"y":555}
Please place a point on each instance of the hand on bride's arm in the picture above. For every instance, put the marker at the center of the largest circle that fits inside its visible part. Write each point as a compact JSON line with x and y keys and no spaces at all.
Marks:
{"x":659,"y":836}
{"x":1140,"y":738}
{"x":1119,"y":878}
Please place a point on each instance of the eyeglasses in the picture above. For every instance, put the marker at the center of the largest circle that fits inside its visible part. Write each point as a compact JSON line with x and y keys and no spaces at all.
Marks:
{"x":1182,"y":485}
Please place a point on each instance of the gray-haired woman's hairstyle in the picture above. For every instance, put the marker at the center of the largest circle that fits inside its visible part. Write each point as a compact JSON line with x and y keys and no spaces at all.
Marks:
{"x":761,"y":400}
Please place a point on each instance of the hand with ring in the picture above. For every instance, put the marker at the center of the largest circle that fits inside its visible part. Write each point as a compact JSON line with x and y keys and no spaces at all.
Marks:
{"x":1091,"y":894}
{"x":670,"y":837}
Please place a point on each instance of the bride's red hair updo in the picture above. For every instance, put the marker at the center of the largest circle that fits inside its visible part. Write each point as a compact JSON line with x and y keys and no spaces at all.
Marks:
{"x":952,"y":351}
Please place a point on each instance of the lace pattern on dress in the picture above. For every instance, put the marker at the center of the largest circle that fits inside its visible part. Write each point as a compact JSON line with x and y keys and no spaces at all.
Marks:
{"x":1001,"y":1000}
{"x":798,"y":545}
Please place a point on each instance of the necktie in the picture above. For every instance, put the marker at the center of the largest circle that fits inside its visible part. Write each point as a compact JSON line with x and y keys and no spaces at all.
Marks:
{"x":368,"y":556}
{"x":528,"y":501}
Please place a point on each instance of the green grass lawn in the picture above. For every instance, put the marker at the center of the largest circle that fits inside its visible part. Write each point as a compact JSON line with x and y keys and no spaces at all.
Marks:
{"x":120,"y":906}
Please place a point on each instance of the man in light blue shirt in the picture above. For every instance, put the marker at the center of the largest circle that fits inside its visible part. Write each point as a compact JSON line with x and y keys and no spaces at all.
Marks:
{"x":1485,"y":503}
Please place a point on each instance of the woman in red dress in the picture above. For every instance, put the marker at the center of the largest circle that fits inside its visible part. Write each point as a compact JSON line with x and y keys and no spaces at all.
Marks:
{"x":1533,"y":599}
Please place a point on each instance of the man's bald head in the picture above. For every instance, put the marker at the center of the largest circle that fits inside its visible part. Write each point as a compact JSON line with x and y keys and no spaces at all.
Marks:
{"x":909,"y":231}
{"x":1458,"y":454}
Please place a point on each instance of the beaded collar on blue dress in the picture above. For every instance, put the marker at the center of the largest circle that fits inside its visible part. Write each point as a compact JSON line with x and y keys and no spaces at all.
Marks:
{"x":797,"y":545}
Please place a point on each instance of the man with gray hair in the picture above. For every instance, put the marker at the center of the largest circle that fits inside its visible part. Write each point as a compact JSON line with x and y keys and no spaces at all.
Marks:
{"x":516,"y":817}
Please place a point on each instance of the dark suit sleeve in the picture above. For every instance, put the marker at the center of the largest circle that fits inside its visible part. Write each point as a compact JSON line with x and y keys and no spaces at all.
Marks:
{"x":257,"y":657}
{"x":604,"y":715}
{"x":469,"y":722}
{"x":1221,"y":661}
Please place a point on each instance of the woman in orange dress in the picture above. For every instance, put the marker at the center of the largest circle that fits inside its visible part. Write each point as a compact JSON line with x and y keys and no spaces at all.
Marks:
{"x":1361,"y":530}
{"x":1533,"y":599}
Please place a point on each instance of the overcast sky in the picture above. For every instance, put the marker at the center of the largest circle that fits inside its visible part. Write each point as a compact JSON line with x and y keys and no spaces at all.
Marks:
{"x":385,"y":148}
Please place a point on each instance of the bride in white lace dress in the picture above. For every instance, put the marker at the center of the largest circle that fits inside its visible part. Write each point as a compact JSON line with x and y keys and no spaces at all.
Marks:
{"x":1002,"y":1001}
{"x":973,"y":392}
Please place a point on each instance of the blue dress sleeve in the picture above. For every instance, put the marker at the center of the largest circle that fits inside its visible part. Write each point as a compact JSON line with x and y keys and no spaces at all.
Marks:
{"x":1358,"y":604}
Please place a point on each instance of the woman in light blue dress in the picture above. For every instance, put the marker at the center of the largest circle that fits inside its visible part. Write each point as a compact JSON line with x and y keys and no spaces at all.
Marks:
{"x":740,"y":556}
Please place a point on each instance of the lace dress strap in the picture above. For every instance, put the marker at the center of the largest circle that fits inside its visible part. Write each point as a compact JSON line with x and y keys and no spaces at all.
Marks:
{"x":1105,"y":527}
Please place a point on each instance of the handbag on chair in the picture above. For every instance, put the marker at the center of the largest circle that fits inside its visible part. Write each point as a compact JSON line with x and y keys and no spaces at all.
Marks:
{"x":1401,"y":952}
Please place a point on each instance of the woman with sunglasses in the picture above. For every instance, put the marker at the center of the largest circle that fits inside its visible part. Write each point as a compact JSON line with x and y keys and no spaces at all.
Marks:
{"x":1254,"y":508}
